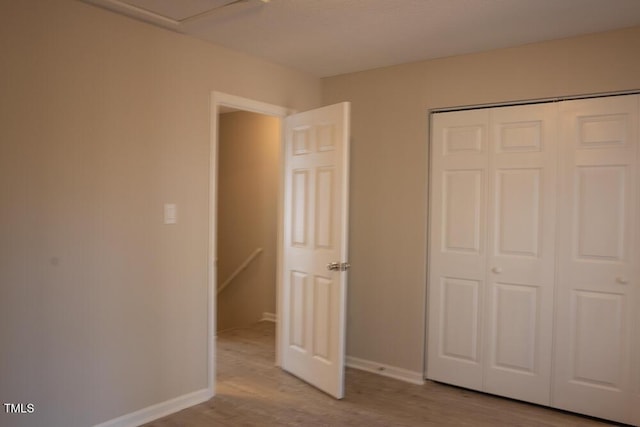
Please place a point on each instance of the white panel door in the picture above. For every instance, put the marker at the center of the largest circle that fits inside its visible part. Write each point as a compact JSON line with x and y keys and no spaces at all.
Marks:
{"x":521,"y":252}
{"x":313,"y":301}
{"x":457,"y":261}
{"x":598,"y":259}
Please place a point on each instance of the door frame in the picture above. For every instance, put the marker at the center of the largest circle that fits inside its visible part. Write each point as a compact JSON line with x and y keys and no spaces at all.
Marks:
{"x":217,"y":102}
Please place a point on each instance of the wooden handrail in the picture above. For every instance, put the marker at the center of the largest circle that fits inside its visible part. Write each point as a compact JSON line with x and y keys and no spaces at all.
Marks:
{"x":244,"y":265}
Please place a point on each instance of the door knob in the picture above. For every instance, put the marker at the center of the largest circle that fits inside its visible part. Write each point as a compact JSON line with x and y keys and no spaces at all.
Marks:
{"x":622,"y":280}
{"x":333,"y":266}
{"x":338,"y":266}
{"x":497,"y":270}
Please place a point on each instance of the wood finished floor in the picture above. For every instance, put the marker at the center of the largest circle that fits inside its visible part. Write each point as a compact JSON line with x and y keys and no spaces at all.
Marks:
{"x":251,"y":391}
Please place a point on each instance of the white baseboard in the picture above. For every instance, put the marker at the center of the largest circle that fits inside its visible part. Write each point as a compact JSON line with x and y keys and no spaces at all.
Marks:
{"x":268,"y":317}
{"x":159,"y":410}
{"x":385,"y":370}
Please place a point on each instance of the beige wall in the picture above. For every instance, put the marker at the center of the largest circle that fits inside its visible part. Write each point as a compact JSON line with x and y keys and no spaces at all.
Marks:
{"x":249,"y":171}
{"x":389,"y":171}
{"x":103,"y":119}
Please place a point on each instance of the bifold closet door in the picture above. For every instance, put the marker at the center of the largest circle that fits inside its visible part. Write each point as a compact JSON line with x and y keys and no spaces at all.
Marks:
{"x":492,"y":250}
{"x":521,"y":252}
{"x":596,"y":360}
{"x":457,"y":261}
{"x":535,"y":234}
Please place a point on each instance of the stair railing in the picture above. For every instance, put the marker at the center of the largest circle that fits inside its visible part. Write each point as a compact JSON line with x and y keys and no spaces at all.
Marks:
{"x":239,"y":270}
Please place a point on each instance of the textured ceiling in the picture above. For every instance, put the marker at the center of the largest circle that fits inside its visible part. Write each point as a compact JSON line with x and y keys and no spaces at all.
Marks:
{"x":329,"y":37}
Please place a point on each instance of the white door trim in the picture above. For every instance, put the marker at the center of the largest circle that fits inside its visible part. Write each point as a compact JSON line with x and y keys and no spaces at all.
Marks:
{"x":219,"y":100}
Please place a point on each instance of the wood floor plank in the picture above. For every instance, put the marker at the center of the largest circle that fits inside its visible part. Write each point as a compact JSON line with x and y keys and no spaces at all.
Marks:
{"x":251,"y":391}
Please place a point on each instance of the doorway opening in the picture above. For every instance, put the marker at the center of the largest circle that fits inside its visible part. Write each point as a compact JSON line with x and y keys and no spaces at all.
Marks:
{"x":311,"y":279}
{"x":245,"y":222}
{"x":247,"y":211}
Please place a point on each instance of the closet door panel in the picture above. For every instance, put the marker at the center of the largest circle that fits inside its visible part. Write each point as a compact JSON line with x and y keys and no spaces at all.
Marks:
{"x":534,"y":258}
{"x":462,"y":204}
{"x":459,"y":318}
{"x":521,"y":252}
{"x":517,"y":208}
{"x":457,"y":247}
{"x":598,"y":259}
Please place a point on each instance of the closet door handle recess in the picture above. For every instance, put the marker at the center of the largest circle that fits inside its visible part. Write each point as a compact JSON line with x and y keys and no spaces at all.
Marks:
{"x":497,"y":270}
{"x":622,"y":280}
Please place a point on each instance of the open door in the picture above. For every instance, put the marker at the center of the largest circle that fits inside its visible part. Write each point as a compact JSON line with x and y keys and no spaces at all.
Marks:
{"x":313,"y":264}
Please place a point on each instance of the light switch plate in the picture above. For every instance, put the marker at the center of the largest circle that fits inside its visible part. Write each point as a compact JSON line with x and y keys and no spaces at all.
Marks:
{"x":170,"y":213}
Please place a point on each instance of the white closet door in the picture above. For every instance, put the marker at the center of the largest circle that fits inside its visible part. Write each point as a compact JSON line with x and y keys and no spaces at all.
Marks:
{"x":598,"y":259}
{"x":521,"y":252}
{"x":457,"y":267}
